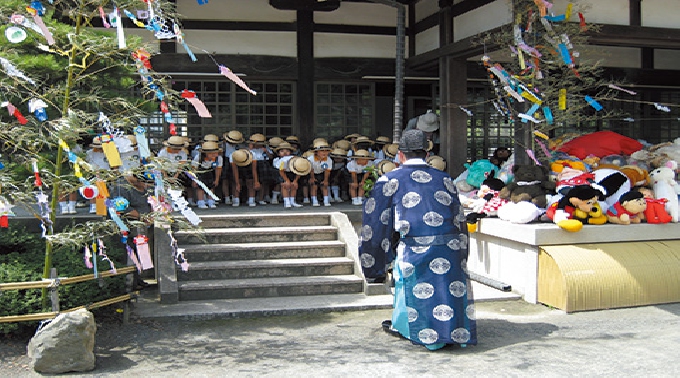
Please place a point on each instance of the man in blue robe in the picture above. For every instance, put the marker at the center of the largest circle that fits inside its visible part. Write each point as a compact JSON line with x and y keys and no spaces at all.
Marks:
{"x":414,"y":220}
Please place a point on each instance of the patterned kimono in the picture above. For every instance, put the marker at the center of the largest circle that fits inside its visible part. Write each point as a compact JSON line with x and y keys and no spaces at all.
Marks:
{"x":414,"y":212}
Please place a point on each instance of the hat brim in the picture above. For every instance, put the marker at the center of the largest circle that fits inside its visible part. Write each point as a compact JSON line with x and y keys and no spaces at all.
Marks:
{"x":249,"y":159}
{"x":172,"y":145}
{"x":291,"y":149}
{"x":427,"y":127}
{"x":298,"y":172}
{"x":361,"y":157}
{"x":95,"y":146}
{"x":233,"y":141}
{"x":323,"y":149}
{"x":211,"y":150}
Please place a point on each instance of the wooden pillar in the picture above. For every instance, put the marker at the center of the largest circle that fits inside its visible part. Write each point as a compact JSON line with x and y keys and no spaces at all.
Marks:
{"x":305,"y":76}
{"x":453,"y":122}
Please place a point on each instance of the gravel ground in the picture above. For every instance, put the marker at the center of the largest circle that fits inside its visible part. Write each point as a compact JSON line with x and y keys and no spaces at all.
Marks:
{"x":515,"y":339}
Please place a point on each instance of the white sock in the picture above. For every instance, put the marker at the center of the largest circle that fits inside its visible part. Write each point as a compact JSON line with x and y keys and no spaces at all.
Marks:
{"x":63,"y":206}
{"x":336,"y":191}
{"x":315,"y":200}
{"x":275,"y":195}
{"x":251,"y":199}
{"x":326,"y":199}
{"x":286,"y":201}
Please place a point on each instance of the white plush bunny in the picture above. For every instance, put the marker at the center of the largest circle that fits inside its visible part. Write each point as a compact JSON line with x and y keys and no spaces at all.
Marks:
{"x":665,"y":186}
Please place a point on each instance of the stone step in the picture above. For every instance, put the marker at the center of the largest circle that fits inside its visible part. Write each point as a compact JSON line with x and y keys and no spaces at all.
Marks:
{"x":257,"y":235}
{"x":264,"y":220}
{"x":269,"y":287}
{"x":217,"y":270}
{"x":262,"y":251}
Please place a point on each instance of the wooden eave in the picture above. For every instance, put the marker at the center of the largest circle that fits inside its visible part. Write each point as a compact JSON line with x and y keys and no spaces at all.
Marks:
{"x":609,"y":35}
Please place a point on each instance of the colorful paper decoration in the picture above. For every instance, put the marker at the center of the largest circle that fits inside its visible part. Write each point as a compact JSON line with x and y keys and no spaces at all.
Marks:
{"x":592,"y":102}
{"x":37,"y":107}
{"x":662,"y":108}
{"x":142,"y":243}
{"x":562,"y":99}
{"x":233,"y":77}
{"x":198,"y":182}
{"x":179,"y":203}
{"x":110,"y":150}
{"x":13,"y":111}
{"x":190,"y":96}
{"x":89,"y":191}
{"x":11,"y":70}
{"x":36,"y":10}
{"x":15,"y":34}
{"x":622,"y":89}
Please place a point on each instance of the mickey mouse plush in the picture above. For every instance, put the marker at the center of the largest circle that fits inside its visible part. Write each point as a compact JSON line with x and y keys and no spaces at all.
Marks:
{"x":580,"y":205}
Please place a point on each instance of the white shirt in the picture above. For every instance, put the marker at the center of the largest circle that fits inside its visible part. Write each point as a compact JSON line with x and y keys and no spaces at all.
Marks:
{"x":174,"y":158}
{"x":207,"y":164}
{"x":320,"y":166}
{"x":353,"y":166}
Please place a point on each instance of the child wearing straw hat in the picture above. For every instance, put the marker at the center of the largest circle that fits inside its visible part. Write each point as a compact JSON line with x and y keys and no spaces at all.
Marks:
{"x":256,"y":144}
{"x":321,"y":171}
{"x":231,"y":141}
{"x":175,"y":155}
{"x":242,"y":167}
{"x":209,"y":161}
{"x":339,"y":175}
{"x":288,"y":179}
{"x":357,"y":168}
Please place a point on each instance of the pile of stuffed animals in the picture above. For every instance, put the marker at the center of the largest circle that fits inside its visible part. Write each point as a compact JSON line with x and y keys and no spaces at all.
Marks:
{"x":598,"y":178}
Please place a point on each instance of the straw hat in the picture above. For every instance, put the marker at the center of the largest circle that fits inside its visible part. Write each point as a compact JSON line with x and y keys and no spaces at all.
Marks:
{"x":391,"y":149}
{"x":385,"y":166}
{"x":318,"y":140}
{"x":210,"y":146}
{"x":293,"y":140}
{"x":350,"y":136}
{"x":284,"y":146}
{"x":321,"y":145}
{"x":176,"y":141}
{"x":437,"y":162}
{"x":307,"y":154}
{"x":361,"y":154}
{"x":344,"y":144}
{"x":133,"y":140}
{"x":233,"y":137}
{"x":275,"y":141}
{"x":242,"y":158}
{"x":430,"y":145}
{"x":382,"y":140}
{"x":211,"y":138}
{"x":187,"y":140}
{"x":96,"y":142}
{"x":258,"y":139}
{"x":363,"y":139}
{"x":300,"y":166}
{"x":339,"y":153}
{"x":428,"y":122}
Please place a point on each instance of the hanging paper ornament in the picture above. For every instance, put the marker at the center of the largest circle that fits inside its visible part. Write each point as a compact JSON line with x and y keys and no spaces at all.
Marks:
{"x":36,"y":10}
{"x":120,"y":203}
{"x":233,"y":77}
{"x":36,"y":173}
{"x":11,"y":70}
{"x":2,"y":166}
{"x":37,"y":107}
{"x":142,"y":243}
{"x":13,"y":111}
{"x":592,"y":102}
{"x":15,"y":34}
{"x":562,"y":100}
{"x":661,"y":107}
{"x":612,"y":86}
{"x":5,"y":211}
{"x":190,"y":96}
{"x":110,"y":151}
{"x":89,"y":191}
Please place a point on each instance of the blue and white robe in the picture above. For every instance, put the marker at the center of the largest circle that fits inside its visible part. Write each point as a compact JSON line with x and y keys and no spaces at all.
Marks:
{"x":416,"y":207}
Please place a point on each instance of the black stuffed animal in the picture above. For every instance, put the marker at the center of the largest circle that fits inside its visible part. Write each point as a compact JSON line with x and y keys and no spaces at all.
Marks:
{"x":530,"y":184}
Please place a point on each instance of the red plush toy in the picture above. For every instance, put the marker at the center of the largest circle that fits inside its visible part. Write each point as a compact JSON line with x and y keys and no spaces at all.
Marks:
{"x":656,"y":208}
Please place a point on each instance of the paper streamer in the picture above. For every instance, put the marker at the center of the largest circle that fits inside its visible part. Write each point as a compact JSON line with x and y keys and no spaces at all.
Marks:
{"x":190,"y":96}
{"x":582,"y":22}
{"x":469,"y":113}
{"x":548,"y":115}
{"x":596,"y":105}
{"x":562,"y":100}
{"x":103,"y":16}
{"x":87,"y":256}
{"x":232,"y":76}
{"x":133,"y":257}
{"x":180,"y":204}
{"x":661,"y":107}
{"x":514,"y":94}
{"x":114,"y":17}
{"x":202,"y":185}
{"x":104,"y":257}
{"x":38,"y":21}
{"x":567,"y":13}
{"x":559,"y":18}
{"x":116,"y":218}
{"x":178,"y":253}
{"x":142,"y":142}
{"x":564,"y":52}
{"x":529,"y":114}
{"x":142,"y":243}
{"x":13,"y":111}
{"x":110,"y":150}
{"x":11,"y":70}
{"x":622,"y":89}
{"x":101,"y":197}
{"x":543,"y":148}
{"x":533,"y":157}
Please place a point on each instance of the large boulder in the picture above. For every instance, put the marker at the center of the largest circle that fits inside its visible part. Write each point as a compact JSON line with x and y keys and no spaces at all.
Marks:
{"x":65,"y":344}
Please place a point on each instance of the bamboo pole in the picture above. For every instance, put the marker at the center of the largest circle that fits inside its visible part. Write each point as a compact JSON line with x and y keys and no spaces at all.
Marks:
{"x":51,"y":315}
{"x":62,"y":281}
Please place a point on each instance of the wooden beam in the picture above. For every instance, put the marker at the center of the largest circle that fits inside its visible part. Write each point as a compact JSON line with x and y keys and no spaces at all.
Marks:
{"x":636,"y":36}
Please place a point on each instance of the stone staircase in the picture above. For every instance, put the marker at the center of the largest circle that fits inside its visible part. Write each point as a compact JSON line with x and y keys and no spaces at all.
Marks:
{"x":241,"y":256}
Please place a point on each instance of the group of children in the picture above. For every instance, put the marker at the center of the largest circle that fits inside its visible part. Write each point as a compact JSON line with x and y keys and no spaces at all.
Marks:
{"x":265,"y":171}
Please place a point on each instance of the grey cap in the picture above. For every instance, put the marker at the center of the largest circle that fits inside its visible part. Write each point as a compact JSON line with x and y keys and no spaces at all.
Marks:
{"x":413,"y":140}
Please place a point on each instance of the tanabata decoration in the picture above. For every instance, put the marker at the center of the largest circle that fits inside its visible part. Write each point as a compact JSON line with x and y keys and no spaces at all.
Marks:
{"x":21,"y":20}
{"x":37,"y":107}
{"x":179,"y":203}
{"x":15,"y":34}
{"x":180,"y":39}
{"x":104,"y":257}
{"x":592,"y":102}
{"x":36,"y":10}
{"x":102,"y":196}
{"x":5,"y":212}
{"x":110,"y":150}
{"x":229,"y":74}
{"x":133,"y":257}
{"x":11,"y":70}
{"x":102,"y":14}
{"x":88,"y":191}
{"x":142,"y":243}
{"x":661,"y":107}
{"x":469,"y":113}
{"x":190,"y":96}
{"x":178,"y":253}
{"x":198,"y":182}
{"x":612,"y":86}
{"x":142,"y":142}
{"x":116,"y":22}
{"x":14,"y":111}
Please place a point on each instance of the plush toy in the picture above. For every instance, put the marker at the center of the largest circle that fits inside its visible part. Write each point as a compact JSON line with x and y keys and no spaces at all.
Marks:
{"x":580,"y":205}
{"x":656,"y":208}
{"x":629,"y":209}
{"x":488,"y":204}
{"x":558,"y":165}
{"x":521,"y":212}
{"x":531,"y":184}
{"x":500,"y":156}
{"x":637,"y":175}
{"x":479,"y":171}
{"x":570,"y":177}
{"x":613,"y":183}
{"x":664,"y":185}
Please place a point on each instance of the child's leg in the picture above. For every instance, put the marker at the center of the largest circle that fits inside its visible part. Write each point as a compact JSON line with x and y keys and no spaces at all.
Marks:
{"x":200,"y":194}
{"x":276,"y":193}
{"x":315,"y":188}
{"x":250,"y":184}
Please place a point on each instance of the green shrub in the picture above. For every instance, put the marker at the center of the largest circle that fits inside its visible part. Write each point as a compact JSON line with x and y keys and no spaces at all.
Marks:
{"x":22,"y":259}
